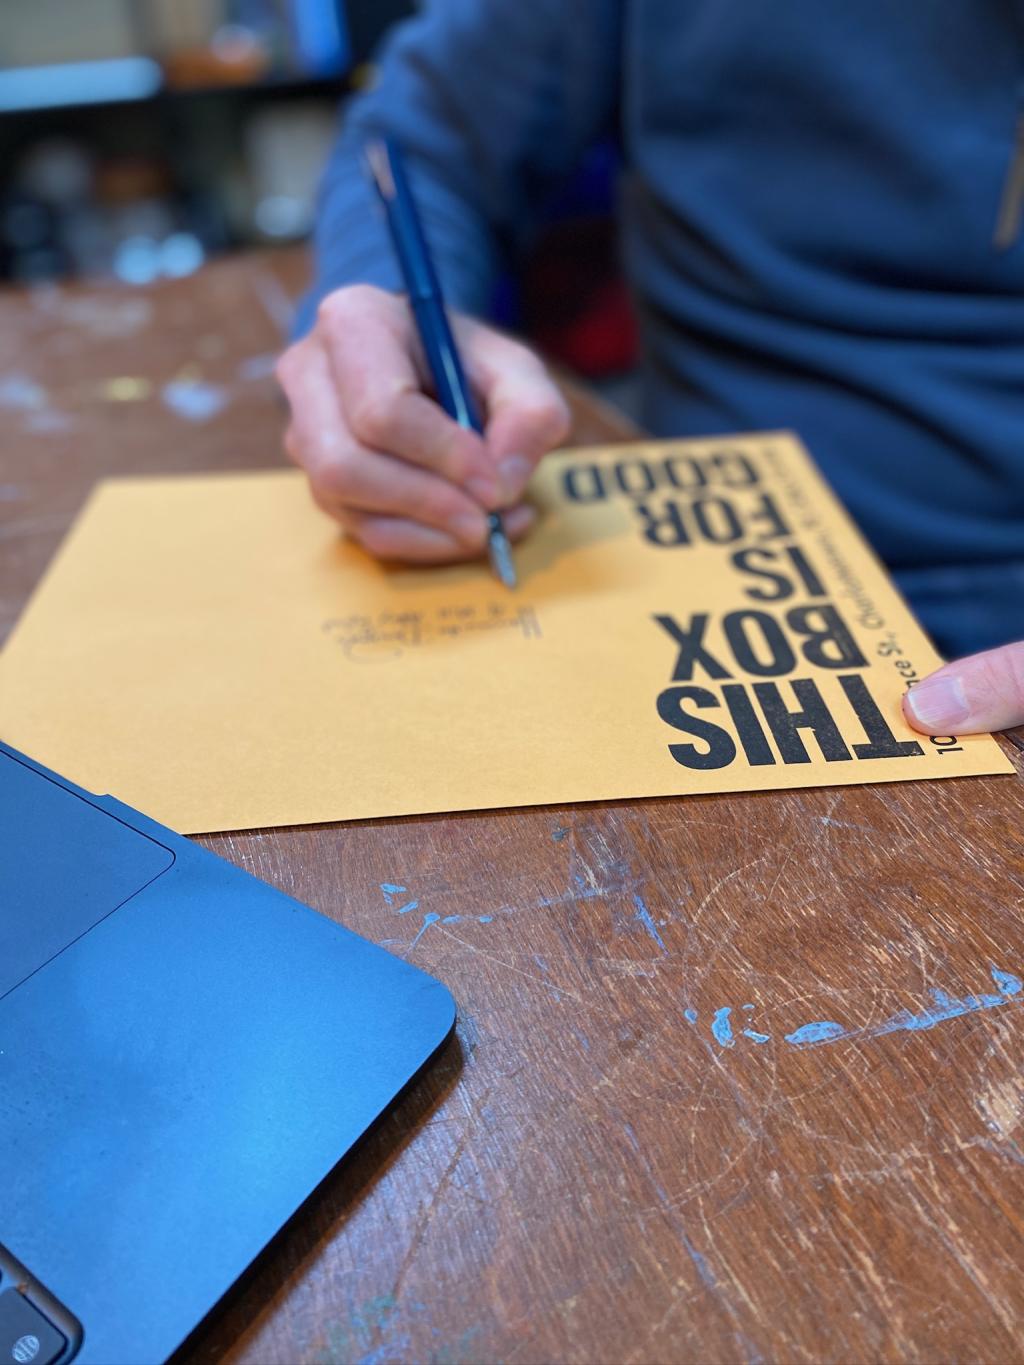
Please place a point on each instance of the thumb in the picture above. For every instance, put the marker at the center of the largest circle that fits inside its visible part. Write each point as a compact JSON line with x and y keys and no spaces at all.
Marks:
{"x":982,"y":692}
{"x":526,"y":415}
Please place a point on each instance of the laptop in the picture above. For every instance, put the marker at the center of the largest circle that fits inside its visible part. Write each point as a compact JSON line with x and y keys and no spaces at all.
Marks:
{"x":185,"y":1054}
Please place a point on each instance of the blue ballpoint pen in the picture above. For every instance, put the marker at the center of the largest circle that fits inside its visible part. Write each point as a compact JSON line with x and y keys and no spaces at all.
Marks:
{"x":385,"y":163}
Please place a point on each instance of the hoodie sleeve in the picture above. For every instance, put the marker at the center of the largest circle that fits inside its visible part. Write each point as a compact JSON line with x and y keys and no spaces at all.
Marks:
{"x":493,"y":102}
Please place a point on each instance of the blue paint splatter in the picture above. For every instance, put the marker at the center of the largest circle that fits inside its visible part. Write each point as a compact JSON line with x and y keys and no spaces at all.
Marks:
{"x":559,"y":834}
{"x":944,"y":1006}
{"x":391,"y":889}
{"x":690,"y":1015}
{"x":822,"y":1031}
{"x":757,"y":1037}
{"x":721,"y":1028}
{"x":409,"y":905}
{"x":644,"y":916}
{"x":1007,"y":982}
{"x":391,"y":1350}
{"x":428,"y":919}
{"x":484,"y":919}
{"x":451,"y":919}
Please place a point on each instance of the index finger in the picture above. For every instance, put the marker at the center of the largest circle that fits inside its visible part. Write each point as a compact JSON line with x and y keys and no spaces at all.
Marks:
{"x":371,"y":352}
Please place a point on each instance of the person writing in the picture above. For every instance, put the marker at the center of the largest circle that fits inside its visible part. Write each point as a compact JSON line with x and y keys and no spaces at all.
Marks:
{"x":821,"y":216}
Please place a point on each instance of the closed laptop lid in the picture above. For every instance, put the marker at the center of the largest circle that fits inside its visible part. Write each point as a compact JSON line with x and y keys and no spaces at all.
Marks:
{"x":185,"y":1053}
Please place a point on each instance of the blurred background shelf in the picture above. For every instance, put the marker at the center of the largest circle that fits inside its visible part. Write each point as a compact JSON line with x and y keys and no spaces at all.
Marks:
{"x":140,"y":138}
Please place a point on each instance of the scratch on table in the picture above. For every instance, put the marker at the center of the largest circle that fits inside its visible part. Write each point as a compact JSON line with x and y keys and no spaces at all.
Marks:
{"x":102,"y":316}
{"x":720,"y":883}
{"x":510,"y":967}
{"x":423,"y":1220}
{"x":845,"y":824}
{"x":948,"y":1236}
{"x":706,"y":1273}
{"x":274,"y":298}
{"x":33,"y":527}
{"x":48,"y":422}
{"x":644,"y":917}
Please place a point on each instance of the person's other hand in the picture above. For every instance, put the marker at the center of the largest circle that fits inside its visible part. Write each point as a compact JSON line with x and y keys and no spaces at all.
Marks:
{"x":385,"y":460}
{"x":982,"y":692}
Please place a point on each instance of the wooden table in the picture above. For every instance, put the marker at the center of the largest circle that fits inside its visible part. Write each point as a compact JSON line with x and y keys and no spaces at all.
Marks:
{"x":592,"y":1172}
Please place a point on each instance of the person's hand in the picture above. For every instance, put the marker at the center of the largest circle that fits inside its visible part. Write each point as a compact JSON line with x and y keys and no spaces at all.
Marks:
{"x":385,"y":460}
{"x":982,"y":692}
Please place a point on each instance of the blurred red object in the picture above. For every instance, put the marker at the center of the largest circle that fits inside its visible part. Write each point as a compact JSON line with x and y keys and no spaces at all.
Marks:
{"x":576,"y":304}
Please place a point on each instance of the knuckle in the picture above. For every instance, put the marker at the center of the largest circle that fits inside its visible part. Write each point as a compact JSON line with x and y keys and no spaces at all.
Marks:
{"x":372,"y":418}
{"x":548,"y":415}
{"x":377,"y":539}
{"x":338,"y":474}
{"x":323,"y":501}
{"x":332,"y":308}
{"x":440,"y":506}
{"x":353,"y":301}
{"x":461,"y":452}
{"x":561,"y":418}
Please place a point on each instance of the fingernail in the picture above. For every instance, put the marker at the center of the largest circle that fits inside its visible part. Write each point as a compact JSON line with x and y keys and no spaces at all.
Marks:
{"x":520,"y":519}
{"x":470,"y":528}
{"x":484,"y":487}
{"x":514,"y":471}
{"x":940,"y":704}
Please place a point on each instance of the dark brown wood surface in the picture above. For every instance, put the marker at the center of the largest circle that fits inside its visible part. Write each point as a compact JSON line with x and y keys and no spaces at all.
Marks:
{"x":603,"y":1166}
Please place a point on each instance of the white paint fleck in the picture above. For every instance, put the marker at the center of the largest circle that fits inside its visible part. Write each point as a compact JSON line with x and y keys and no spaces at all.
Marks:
{"x":20,"y":392}
{"x":256,"y":367}
{"x":195,"y":400}
{"x":48,"y":422}
{"x":1002,"y":1106}
{"x":101,"y":315}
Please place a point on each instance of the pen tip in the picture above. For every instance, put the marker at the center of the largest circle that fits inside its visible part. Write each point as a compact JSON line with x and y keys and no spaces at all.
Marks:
{"x":500,"y":553}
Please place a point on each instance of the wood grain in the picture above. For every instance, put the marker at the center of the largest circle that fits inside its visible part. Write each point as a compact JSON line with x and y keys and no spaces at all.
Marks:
{"x":605,"y":1166}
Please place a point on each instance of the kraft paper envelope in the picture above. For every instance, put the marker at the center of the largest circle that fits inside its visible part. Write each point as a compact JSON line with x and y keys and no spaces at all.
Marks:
{"x":692,"y":616}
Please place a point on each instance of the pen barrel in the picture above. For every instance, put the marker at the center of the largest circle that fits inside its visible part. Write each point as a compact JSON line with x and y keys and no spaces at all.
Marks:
{"x":451,"y":388}
{"x":422,"y":285}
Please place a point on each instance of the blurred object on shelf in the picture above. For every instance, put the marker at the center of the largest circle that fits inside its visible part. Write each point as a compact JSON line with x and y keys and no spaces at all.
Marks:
{"x":233,"y":105}
{"x":111,"y":80}
{"x":286,"y":148}
{"x":233,"y":56}
{"x":56,"y":53}
{"x":116,"y":217}
{"x":138,"y":138}
{"x":320,"y":36}
{"x":41,"y":32}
